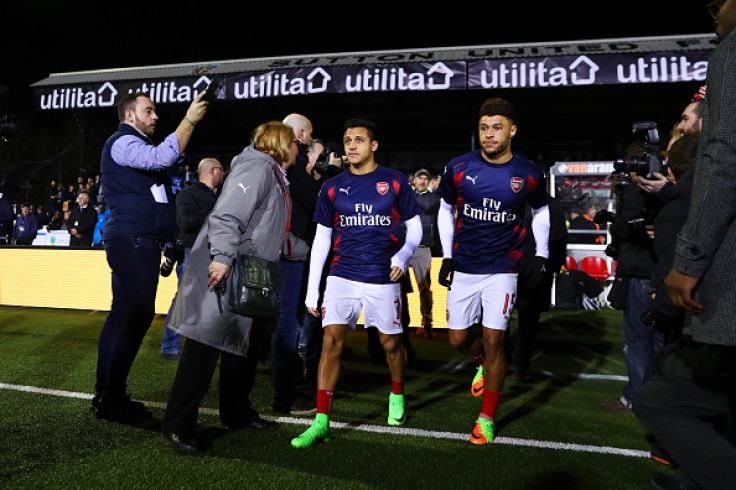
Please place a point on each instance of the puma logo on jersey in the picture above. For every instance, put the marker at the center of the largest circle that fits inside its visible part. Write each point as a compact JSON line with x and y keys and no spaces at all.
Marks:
{"x":243,"y":187}
{"x":345,"y":190}
{"x":471,"y":179}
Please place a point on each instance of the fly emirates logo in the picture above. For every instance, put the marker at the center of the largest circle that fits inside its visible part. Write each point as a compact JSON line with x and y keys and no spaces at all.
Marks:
{"x":490,"y":211}
{"x":364,"y":217}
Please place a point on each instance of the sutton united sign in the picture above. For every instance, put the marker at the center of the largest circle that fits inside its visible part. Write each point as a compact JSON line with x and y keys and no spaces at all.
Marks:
{"x":551,"y":65}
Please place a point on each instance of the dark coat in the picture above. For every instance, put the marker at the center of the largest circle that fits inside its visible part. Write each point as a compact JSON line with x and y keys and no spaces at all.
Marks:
{"x":193,"y":205}
{"x":250,"y":217}
{"x":84,"y":220}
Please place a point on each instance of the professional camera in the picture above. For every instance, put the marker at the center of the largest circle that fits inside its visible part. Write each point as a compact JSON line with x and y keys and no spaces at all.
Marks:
{"x":174,"y":252}
{"x":322,"y":164}
{"x":652,"y":160}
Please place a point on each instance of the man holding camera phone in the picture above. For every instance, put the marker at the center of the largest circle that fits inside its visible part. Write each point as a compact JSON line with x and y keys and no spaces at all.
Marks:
{"x":137,"y":189}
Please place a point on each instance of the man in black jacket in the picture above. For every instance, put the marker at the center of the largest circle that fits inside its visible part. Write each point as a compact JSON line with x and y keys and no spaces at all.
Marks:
{"x":535,"y":290}
{"x":82,"y":221}
{"x":193,"y":204}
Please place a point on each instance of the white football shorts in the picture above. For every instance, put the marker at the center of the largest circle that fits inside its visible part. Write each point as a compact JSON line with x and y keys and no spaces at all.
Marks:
{"x":488,"y":298}
{"x":380,"y":303}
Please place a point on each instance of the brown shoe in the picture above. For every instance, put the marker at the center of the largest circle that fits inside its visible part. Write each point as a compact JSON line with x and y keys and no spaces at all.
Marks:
{"x":616,"y":405}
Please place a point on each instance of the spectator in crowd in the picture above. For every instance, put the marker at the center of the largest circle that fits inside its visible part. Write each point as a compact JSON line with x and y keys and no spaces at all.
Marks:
{"x":102,"y":215}
{"x":688,"y":406}
{"x":6,"y":219}
{"x":251,"y":222}
{"x":142,"y":216}
{"x":421,"y":260}
{"x":584,"y":221}
{"x":25,"y":226}
{"x":193,"y":206}
{"x":83,"y":219}
{"x":42,"y":217}
{"x":92,"y":189}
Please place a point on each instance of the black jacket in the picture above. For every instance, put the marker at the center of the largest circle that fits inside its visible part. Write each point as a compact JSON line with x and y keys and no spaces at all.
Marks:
{"x":193,"y":205}
{"x":84,"y":221}
{"x":303,"y":189}
{"x":636,"y":256}
{"x":429,"y":202}
{"x":669,"y":222}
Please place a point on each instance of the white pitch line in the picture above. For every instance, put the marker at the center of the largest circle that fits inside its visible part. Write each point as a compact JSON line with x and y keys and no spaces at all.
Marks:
{"x":407,"y":431}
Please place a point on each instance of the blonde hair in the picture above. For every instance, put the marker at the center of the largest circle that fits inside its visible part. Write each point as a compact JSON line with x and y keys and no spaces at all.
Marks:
{"x":274,"y":139}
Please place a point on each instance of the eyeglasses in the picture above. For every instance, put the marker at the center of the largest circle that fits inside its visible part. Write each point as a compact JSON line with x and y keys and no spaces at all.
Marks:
{"x":715,"y":7}
{"x":215,"y":168}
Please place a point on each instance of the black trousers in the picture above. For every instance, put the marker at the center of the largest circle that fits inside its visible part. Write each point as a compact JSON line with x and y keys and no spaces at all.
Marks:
{"x":193,"y":377}
{"x":530,"y":304}
{"x":688,"y":406}
{"x":135,"y":270}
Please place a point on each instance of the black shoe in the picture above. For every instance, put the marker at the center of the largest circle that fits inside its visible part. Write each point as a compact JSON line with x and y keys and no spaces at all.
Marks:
{"x":171,"y":357}
{"x":302,"y":406}
{"x":181,"y":444}
{"x":119,"y":409}
{"x":663,"y":481}
{"x":252,"y":421}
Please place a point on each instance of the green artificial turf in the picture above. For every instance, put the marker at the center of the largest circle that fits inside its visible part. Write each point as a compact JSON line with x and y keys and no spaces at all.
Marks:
{"x":54,"y":441}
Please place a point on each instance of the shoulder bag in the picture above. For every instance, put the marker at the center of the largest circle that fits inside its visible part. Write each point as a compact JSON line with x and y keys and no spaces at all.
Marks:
{"x":253,"y":287}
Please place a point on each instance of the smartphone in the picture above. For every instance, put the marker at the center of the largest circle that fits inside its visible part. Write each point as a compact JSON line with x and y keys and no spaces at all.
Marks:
{"x":212,"y":91}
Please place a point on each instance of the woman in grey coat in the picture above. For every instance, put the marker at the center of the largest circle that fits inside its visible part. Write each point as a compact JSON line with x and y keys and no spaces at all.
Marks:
{"x":251,"y":218}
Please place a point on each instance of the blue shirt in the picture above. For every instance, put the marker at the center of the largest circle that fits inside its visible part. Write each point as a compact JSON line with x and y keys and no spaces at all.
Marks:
{"x":490,"y":199}
{"x":366,"y":213}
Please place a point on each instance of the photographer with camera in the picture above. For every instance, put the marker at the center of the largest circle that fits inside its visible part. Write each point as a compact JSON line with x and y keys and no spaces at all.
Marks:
{"x":193,"y":204}
{"x":637,"y":261}
{"x":691,"y":122}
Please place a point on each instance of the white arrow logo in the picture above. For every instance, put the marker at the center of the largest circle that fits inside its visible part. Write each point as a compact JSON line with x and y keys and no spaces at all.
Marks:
{"x":592,"y":67}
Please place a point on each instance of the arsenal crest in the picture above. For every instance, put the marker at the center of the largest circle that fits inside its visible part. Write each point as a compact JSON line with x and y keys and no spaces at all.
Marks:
{"x":517,"y":183}
{"x":382,"y":188}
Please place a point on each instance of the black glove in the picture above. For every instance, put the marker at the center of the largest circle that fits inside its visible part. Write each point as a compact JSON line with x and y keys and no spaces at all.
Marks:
{"x":446,"y":272}
{"x":534,"y":273}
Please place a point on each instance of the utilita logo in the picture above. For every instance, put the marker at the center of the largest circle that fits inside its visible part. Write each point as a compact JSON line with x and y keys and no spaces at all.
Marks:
{"x":106,"y":95}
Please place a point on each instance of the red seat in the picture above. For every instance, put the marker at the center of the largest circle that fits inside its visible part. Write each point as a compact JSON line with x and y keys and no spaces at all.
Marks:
{"x":570,"y":263}
{"x":595,"y":267}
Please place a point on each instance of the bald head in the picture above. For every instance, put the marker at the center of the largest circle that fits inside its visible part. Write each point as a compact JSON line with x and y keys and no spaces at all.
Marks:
{"x":302,"y":127}
{"x":210,"y":172}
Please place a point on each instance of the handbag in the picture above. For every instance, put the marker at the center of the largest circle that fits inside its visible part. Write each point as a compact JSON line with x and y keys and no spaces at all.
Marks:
{"x":618,"y":295}
{"x":253,"y":287}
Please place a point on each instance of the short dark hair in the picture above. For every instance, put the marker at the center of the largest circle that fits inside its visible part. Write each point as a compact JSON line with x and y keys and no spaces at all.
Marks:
{"x":370,"y":127}
{"x":698,"y":108}
{"x":128,"y":102}
{"x":498,"y":107}
{"x":684,"y":154}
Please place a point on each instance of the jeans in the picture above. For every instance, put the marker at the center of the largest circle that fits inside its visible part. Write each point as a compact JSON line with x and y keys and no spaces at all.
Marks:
{"x":135,"y":270}
{"x":284,"y":343}
{"x":171,"y":341}
{"x":641,"y":343}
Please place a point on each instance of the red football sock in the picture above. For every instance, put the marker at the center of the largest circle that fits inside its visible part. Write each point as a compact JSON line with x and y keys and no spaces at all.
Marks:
{"x":324,"y":401}
{"x":490,"y":404}
{"x":397,"y":387}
